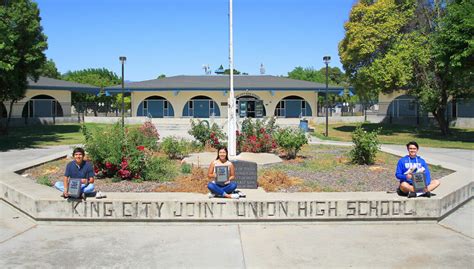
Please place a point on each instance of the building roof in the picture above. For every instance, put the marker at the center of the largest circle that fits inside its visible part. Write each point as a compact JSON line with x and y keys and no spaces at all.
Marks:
{"x":45,"y":83}
{"x":221,"y":83}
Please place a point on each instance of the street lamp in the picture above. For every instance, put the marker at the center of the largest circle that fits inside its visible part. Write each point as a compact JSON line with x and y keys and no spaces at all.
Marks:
{"x":123,"y":59}
{"x":326,"y":60}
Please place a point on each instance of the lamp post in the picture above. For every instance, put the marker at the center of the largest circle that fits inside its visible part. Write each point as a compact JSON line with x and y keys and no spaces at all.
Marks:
{"x":326,"y":60}
{"x":123,"y":59}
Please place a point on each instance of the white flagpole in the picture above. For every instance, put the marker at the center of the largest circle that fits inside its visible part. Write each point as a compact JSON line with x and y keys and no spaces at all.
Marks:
{"x":231,"y":117}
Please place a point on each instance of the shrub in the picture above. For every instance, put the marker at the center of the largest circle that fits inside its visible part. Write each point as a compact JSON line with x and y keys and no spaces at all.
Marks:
{"x":256,"y":136}
{"x":366,"y":146}
{"x":186,"y":168}
{"x":291,"y":141}
{"x":206,"y":134}
{"x":159,"y":169}
{"x":175,"y":148}
{"x":120,"y":153}
{"x":44,"y":180}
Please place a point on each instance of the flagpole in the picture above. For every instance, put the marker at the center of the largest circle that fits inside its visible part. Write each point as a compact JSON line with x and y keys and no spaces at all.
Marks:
{"x":231,"y":117}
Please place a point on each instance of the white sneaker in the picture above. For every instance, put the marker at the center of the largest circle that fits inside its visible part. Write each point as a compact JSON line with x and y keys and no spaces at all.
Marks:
{"x":241,"y":194}
{"x":235,"y":196}
{"x":211,"y":195}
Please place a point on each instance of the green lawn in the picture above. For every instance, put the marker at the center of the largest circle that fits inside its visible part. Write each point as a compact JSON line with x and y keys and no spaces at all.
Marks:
{"x":43,"y":135}
{"x":401,"y":134}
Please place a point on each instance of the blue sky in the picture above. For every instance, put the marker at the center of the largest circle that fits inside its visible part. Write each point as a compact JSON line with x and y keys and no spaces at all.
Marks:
{"x":176,"y":37}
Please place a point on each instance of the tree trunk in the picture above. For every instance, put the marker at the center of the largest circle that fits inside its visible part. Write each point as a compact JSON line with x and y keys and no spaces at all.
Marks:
{"x":443,"y":124}
{"x":9,"y":116}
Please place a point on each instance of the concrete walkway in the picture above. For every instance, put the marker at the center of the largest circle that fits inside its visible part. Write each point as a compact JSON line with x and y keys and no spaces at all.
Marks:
{"x":449,"y":244}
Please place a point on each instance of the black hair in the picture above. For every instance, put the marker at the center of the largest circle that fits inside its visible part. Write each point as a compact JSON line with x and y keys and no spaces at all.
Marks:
{"x":76,"y":150}
{"x":226,"y":153}
{"x":413,"y":143}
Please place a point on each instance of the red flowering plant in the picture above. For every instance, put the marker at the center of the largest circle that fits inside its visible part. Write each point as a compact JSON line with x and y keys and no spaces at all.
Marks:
{"x":121,"y":153}
{"x":207,"y":134}
{"x":256,"y":136}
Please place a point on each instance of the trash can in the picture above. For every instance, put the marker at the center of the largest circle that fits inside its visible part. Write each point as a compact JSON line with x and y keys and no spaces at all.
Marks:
{"x":304,"y":125}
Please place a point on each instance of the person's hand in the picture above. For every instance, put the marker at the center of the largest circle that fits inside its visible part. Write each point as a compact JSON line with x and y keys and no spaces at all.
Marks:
{"x":65,"y":194}
{"x":409,"y":176}
{"x":227,"y":182}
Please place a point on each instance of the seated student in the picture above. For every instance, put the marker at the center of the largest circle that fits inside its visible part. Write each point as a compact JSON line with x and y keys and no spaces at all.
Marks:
{"x":410,"y":164}
{"x":78,"y":168}
{"x":227,"y":188}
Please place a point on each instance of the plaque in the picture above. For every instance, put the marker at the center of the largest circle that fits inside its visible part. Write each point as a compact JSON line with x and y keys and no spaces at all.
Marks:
{"x":419,"y":182}
{"x":74,"y":189}
{"x":245,"y":174}
{"x":222,"y":174}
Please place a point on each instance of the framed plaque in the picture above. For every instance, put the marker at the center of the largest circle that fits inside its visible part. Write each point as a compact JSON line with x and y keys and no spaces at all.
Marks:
{"x":419,"y":182}
{"x":74,"y":189}
{"x":222,"y":174}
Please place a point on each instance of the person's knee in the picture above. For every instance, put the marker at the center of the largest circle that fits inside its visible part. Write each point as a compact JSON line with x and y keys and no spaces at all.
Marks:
{"x":59,"y":185}
{"x":405,"y":187}
{"x":434,"y":184}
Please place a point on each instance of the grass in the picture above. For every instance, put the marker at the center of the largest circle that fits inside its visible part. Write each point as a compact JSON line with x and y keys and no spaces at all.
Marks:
{"x":401,"y":134}
{"x":44,"y":135}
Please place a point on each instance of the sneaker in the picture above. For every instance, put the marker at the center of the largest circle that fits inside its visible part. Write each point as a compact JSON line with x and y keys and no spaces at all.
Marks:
{"x":83,"y":196}
{"x":241,"y":194}
{"x":411,"y":194}
{"x":234,"y":196}
{"x":427,"y":194}
{"x":100,"y":195}
{"x":211,"y":195}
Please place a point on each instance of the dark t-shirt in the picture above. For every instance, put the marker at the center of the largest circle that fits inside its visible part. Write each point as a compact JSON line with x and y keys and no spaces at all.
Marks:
{"x":79,"y":171}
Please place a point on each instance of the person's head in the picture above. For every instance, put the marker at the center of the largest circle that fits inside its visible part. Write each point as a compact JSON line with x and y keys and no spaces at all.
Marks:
{"x":222,"y":154}
{"x":412,"y":148}
{"x":78,"y":155}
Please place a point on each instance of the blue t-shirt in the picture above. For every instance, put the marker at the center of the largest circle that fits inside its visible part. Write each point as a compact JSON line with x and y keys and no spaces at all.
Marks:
{"x":79,"y":171}
{"x":406,"y":163}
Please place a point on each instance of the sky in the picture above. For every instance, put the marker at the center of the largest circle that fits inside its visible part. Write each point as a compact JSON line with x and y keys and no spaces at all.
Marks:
{"x":178,"y":37}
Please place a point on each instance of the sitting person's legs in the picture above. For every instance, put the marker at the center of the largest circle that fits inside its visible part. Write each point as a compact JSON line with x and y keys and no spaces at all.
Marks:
{"x":433,"y":185}
{"x":222,"y":190}
{"x":59,"y":185}
{"x":87,"y":188}
{"x":406,"y":187}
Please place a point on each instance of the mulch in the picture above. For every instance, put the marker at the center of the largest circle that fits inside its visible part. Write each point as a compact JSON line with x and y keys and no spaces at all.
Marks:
{"x":338,"y":176}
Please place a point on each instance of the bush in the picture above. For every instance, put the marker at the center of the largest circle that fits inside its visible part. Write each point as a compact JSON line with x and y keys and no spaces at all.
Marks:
{"x":291,"y":141}
{"x":120,"y":153}
{"x":175,"y":148}
{"x":256,"y":136}
{"x":159,"y":169}
{"x":366,"y":146}
{"x":207,"y":135}
{"x":186,"y":168}
{"x":44,"y":180}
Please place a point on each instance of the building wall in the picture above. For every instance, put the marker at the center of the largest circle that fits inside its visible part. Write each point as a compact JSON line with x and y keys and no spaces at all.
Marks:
{"x":178,"y":99}
{"x":63,"y":97}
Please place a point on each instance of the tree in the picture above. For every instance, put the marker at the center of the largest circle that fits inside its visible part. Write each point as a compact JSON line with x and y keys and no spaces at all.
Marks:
{"x":100,"y":77}
{"x":49,"y":70}
{"x":335,"y":75}
{"x":161,"y":76}
{"x":404,"y":45}
{"x":22,"y":46}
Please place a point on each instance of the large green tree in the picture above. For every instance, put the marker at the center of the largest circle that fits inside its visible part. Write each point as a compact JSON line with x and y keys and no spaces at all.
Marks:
{"x":100,"y":77}
{"x":398,"y":45}
{"x":335,"y":75}
{"x":22,"y":46}
{"x":50,"y":70}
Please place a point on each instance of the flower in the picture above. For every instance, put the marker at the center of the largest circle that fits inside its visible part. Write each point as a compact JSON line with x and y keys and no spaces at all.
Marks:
{"x":141,"y":148}
{"x":108,"y":165}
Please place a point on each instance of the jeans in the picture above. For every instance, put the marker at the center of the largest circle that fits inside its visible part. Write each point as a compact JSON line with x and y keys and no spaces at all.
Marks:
{"x":85,"y":189}
{"x":222,"y":190}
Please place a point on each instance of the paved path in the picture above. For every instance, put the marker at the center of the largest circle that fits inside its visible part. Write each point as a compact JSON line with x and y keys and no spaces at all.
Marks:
{"x":237,"y":245}
{"x":14,"y":160}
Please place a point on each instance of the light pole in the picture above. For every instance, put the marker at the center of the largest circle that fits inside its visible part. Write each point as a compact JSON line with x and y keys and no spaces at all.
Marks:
{"x":231,"y":117}
{"x":326,"y":60}
{"x":123,"y":59}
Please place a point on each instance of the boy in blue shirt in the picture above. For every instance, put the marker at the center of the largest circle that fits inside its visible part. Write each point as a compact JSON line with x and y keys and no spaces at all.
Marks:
{"x":407,"y":166}
{"x":78,"y":168}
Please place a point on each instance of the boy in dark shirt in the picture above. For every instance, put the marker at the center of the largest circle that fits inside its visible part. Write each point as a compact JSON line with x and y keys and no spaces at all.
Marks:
{"x":78,"y":168}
